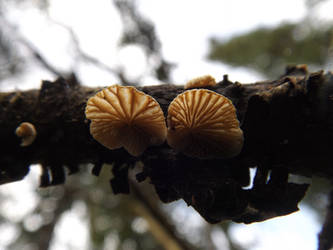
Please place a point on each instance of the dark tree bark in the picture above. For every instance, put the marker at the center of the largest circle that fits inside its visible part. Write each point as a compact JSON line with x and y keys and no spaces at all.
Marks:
{"x":287,"y":125}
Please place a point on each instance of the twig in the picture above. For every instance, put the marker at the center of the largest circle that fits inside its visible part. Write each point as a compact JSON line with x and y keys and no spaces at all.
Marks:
{"x":91,"y":59}
{"x":160,"y":227}
{"x":36,"y":54}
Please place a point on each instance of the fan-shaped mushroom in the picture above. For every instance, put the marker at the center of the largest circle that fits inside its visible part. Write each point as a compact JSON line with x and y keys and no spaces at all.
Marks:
{"x":122,"y":116}
{"x":27,"y":132}
{"x":203,"y":124}
{"x":200,"y":82}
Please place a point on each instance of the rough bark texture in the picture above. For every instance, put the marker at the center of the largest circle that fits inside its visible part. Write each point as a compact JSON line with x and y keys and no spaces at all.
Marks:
{"x":287,"y":126}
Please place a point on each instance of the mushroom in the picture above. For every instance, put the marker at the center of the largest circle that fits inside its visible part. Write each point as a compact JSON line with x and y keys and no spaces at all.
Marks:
{"x":199,"y":82}
{"x":122,"y":116}
{"x":203,"y":124}
{"x":27,"y":132}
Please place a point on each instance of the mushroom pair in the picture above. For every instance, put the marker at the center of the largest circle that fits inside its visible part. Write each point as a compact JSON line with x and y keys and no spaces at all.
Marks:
{"x":201,"y":123}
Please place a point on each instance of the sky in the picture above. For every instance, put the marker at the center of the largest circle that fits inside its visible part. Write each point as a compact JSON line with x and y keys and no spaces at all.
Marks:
{"x":184,"y":28}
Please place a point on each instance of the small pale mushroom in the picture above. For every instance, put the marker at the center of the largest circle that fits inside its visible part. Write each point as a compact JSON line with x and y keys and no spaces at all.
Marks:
{"x":122,"y":116}
{"x":201,"y":82}
{"x":27,"y":132}
{"x":203,"y":124}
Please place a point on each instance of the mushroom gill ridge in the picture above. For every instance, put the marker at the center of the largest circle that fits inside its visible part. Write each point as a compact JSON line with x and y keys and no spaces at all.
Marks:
{"x":201,"y":118}
{"x":122,"y":116}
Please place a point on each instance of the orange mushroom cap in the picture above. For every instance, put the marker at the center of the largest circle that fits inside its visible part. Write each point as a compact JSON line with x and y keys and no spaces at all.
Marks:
{"x":200,"y":82}
{"x":27,"y":132}
{"x":122,"y":116}
{"x":203,"y":124}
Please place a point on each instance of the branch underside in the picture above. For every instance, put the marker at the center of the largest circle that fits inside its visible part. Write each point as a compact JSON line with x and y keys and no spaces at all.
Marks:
{"x":287,"y":125}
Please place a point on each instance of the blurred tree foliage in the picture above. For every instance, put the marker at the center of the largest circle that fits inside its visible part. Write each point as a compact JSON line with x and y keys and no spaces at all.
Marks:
{"x":10,"y":61}
{"x":140,"y":31}
{"x":108,"y":217}
{"x":268,"y":50}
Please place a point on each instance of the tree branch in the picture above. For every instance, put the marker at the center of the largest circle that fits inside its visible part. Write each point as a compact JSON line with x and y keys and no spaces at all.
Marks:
{"x":287,"y":126}
{"x":35,"y":53}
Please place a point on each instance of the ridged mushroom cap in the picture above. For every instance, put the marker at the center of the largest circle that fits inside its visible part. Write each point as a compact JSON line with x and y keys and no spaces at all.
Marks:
{"x":122,"y":116}
{"x":203,"y":124}
{"x":201,"y":82}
